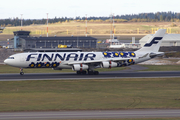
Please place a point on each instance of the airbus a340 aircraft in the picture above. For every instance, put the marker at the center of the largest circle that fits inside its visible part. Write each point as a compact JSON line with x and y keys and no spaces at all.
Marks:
{"x":84,"y":62}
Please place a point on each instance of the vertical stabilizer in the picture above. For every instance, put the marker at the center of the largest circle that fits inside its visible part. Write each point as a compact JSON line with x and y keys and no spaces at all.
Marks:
{"x":153,"y":44}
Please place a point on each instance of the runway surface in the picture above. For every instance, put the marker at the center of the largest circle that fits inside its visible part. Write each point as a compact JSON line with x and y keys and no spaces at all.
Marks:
{"x":136,"y":113}
{"x":102,"y":75}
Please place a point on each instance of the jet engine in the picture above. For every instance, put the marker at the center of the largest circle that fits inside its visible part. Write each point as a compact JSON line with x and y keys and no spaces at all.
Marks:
{"x":109,"y":64}
{"x":80,"y":67}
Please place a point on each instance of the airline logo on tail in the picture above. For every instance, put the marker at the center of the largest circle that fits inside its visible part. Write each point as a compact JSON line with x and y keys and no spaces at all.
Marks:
{"x":154,"y":41}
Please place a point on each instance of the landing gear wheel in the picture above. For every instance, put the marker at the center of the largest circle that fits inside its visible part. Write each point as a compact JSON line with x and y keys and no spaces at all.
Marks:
{"x":93,"y":73}
{"x":90,"y":72}
{"x":21,"y":71}
{"x":84,"y":72}
{"x":78,"y":72}
{"x":96,"y":73}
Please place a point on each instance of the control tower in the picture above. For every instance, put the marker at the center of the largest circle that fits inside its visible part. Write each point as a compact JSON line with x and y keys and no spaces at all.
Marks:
{"x":17,"y":36}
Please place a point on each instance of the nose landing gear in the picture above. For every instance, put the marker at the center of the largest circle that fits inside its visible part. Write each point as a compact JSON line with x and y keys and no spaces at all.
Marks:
{"x":21,"y":71}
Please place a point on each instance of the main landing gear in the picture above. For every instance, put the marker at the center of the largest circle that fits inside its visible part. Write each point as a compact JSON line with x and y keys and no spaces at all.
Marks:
{"x":89,"y":72}
{"x":21,"y":71}
{"x":81,"y":72}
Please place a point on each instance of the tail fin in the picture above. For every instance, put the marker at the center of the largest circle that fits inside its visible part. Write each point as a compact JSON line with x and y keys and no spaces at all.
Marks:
{"x":153,"y":44}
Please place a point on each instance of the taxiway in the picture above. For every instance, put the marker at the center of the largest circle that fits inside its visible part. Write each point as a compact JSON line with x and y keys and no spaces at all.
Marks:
{"x":102,"y":75}
{"x":136,"y":113}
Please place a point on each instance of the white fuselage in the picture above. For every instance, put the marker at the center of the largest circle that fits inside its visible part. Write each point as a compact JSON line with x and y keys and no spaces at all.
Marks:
{"x":63,"y":59}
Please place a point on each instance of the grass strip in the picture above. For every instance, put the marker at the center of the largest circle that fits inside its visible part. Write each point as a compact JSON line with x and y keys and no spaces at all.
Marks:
{"x":93,"y":28}
{"x":126,"y":93}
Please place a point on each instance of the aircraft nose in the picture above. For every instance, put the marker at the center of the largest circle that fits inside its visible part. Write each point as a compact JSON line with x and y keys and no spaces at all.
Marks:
{"x":6,"y":61}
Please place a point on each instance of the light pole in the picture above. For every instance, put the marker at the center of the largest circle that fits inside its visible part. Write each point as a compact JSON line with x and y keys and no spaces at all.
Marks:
{"x":86,"y":25}
{"x":77,"y":37}
{"x":47,"y":24}
{"x":21,"y":21}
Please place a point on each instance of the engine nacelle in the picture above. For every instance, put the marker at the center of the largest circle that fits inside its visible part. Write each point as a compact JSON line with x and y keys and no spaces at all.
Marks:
{"x":109,"y":64}
{"x":80,"y":67}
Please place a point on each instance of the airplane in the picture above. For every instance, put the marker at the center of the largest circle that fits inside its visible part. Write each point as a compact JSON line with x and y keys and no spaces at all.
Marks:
{"x":86,"y":62}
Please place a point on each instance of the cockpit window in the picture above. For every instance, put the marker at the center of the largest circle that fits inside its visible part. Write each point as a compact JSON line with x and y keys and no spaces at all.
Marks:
{"x":10,"y":57}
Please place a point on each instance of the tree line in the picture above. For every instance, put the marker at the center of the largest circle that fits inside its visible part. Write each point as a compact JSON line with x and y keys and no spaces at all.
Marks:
{"x":142,"y":17}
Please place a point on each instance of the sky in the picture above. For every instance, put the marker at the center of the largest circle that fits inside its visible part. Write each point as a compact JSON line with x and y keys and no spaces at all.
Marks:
{"x":38,"y":9}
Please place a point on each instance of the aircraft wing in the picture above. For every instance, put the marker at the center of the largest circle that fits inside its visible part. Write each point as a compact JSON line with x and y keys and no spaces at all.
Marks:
{"x":100,"y":61}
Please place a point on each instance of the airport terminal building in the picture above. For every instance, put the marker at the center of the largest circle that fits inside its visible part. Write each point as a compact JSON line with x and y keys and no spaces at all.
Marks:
{"x":22,"y":40}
